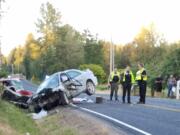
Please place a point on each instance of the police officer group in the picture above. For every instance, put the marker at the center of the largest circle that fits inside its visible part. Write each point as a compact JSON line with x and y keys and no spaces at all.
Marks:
{"x":128,"y":80}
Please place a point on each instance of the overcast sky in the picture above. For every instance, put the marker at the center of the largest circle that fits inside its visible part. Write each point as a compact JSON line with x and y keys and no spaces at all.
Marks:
{"x":120,"y":20}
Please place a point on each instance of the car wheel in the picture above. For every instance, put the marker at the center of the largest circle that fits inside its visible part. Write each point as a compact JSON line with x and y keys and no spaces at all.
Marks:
{"x":48,"y":107}
{"x":90,"y":88}
{"x":63,"y":100}
{"x":37,"y":109}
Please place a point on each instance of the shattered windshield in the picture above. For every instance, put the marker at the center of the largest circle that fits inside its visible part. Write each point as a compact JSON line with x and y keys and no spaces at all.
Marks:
{"x":51,"y":82}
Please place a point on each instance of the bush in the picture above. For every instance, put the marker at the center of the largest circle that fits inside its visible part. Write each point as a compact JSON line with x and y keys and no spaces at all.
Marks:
{"x":97,"y":70}
{"x":3,"y":74}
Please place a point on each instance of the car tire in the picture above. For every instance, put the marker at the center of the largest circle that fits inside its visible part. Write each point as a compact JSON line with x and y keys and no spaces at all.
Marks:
{"x":63,"y":100}
{"x":90,"y":88}
{"x":37,"y":109}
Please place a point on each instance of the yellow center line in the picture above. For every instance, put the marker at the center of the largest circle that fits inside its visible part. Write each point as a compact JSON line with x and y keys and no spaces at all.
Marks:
{"x":162,"y":108}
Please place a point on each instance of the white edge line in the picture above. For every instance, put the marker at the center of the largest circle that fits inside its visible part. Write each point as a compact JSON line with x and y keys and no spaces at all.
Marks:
{"x":113,"y":119}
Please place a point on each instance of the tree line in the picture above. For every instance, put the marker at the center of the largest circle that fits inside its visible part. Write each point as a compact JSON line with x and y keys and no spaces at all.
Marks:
{"x":60,"y":47}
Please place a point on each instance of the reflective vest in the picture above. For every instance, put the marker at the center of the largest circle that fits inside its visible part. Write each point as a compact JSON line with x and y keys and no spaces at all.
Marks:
{"x":114,"y":74}
{"x":132,"y":77}
{"x":139,"y":75}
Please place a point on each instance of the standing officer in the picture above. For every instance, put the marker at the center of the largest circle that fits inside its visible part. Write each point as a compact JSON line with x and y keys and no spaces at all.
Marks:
{"x":128,"y":80}
{"x":114,"y":82}
{"x":141,"y":78}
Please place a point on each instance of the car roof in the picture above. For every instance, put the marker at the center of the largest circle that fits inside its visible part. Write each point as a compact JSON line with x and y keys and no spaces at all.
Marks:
{"x":9,"y":79}
{"x":73,"y":70}
{"x":66,"y":71}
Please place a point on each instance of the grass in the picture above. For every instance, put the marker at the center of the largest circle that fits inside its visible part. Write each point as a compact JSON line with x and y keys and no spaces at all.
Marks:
{"x":54,"y":125}
{"x":102,"y":87}
{"x":16,"y":120}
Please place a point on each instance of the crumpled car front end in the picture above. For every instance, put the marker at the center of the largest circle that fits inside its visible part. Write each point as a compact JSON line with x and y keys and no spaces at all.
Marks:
{"x":47,"y":99}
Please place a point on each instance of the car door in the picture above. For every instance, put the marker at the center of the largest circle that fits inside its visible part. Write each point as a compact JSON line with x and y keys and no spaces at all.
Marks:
{"x":77,"y":76}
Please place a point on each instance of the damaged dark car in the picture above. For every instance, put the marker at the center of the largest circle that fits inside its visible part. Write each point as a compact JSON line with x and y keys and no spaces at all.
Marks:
{"x":14,"y":92}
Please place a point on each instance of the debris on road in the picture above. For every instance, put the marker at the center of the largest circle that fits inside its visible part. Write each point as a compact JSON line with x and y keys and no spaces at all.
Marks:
{"x":81,"y":100}
{"x":39,"y":115}
{"x":99,"y":100}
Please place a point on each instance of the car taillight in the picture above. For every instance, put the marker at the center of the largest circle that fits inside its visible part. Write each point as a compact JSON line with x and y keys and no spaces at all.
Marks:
{"x":25,"y":93}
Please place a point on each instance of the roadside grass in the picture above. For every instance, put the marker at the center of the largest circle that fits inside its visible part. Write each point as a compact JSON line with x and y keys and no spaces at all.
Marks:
{"x":16,"y":120}
{"x":55,"y":125}
{"x":102,"y":87}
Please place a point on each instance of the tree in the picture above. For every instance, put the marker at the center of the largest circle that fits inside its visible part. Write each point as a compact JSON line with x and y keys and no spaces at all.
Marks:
{"x":172,"y":63}
{"x":48,"y":23}
{"x":93,"y":50}
{"x":19,"y":53}
{"x":69,"y":48}
{"x":48,"y":26}
{"x":145,"y":42}
{"x":31,"y":56}
{"x":106,"y":55}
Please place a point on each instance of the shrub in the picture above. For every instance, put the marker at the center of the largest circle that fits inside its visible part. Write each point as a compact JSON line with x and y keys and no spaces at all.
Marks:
{"x":3,"y":74}
{"x":97,"y":70}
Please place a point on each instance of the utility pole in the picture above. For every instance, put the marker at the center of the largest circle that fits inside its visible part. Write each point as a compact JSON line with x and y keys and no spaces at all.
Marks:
{"x":110,"y":58}
{"x":113,"y":55}
{"x":111,"y":64}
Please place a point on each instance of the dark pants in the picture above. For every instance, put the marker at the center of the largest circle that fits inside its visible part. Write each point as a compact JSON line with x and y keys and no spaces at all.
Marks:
{"x":114,"y":88}
{"x":142,"y":91}
{"x":126,"y":88}
{"x":169,"y":90}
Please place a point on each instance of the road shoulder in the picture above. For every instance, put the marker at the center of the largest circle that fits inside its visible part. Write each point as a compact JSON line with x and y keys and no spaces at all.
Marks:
{"x":77,"y":122}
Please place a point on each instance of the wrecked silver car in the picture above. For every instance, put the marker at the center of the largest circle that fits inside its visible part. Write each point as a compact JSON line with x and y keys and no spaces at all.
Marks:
{"x":58,"y":89}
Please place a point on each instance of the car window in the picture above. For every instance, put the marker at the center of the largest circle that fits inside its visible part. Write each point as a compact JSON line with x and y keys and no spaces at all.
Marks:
{"x":64,"y":77}
{"x":73,"y":74}
{"x":17,"y":84}
{"x":51,"y":82}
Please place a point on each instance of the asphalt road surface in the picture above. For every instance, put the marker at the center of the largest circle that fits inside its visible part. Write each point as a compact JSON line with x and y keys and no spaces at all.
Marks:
{"x":156,"y":117}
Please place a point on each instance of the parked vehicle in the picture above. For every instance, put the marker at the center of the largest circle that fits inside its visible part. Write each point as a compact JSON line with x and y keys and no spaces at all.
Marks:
{"x":61,"y":87}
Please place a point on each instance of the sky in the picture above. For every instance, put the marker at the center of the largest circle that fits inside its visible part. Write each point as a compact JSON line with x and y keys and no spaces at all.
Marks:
{"x":116,"y":20}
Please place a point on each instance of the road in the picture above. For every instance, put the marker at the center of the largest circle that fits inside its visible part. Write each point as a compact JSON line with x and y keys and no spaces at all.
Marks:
{"x":156,"y":117}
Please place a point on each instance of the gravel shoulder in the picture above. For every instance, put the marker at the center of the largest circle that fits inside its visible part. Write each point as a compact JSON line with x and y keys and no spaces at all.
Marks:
{"x":67,"y":120}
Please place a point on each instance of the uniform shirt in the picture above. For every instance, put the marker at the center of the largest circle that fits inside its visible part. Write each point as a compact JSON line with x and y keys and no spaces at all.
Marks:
{"x":127,"y":77}
{"x":141,"y":75}
{"x":144,"y":73}
{"x":114,"y":74}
